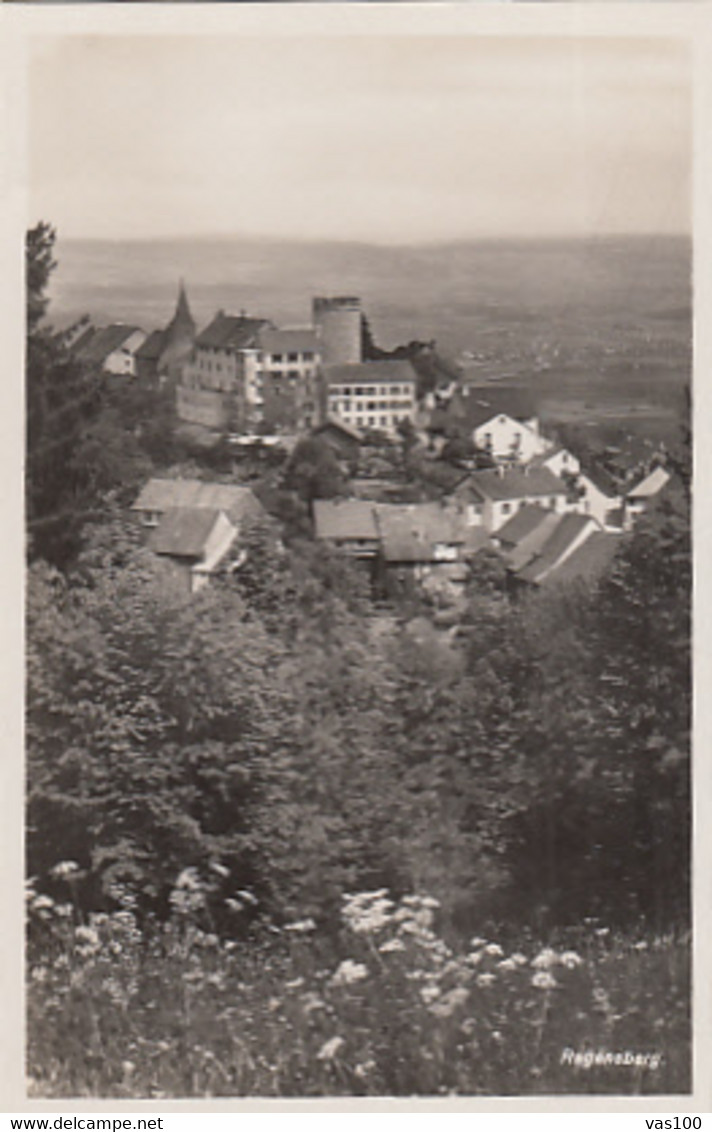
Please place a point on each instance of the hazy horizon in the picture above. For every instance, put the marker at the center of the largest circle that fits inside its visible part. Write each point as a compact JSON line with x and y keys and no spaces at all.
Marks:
{"x":379,"y":139}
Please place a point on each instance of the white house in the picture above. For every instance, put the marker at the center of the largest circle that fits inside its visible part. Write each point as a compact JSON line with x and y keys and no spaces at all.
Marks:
{"x":509,"y":440}
{"x":491,"y":497}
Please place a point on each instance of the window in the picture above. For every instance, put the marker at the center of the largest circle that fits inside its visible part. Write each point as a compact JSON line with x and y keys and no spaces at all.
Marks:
{"x":552,"y":501}
{"x":293,"y":374}
{"x":308,"y":355}
{"x":371,"y":421}
{"x":277,"y":358}
{"x":371,"y":405}
{"x":506,"y":508}
{"x":384,"y":422}
{"x":292,"y":358}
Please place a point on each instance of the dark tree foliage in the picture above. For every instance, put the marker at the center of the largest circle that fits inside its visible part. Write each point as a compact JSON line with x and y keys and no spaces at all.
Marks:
{"x":313,"y":471}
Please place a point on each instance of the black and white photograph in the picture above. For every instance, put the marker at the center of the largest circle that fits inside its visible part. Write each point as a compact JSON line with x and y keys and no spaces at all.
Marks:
{"x":357,"y":584}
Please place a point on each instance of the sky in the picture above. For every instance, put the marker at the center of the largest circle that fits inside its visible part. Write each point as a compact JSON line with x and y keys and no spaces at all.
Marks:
{"x":378,"y":139}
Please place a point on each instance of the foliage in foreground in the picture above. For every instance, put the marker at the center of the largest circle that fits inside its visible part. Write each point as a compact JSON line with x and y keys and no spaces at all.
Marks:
{"x":389,"y":1009}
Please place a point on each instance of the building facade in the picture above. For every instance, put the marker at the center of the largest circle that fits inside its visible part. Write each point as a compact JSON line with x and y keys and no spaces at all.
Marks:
{"x":372,"y":395}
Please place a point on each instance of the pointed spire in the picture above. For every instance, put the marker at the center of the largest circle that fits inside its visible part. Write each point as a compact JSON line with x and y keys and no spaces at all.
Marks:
{"x":182,"y":315}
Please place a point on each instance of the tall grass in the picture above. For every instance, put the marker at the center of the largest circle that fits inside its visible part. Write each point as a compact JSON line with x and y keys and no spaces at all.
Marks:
{"x":387,"y":1007}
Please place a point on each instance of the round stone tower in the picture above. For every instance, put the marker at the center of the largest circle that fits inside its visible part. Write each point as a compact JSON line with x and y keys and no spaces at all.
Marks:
{"x":337,"y":322}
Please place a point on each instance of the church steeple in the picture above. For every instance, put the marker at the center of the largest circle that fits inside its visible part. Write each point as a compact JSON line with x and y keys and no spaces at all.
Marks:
{"x":182,"y":317}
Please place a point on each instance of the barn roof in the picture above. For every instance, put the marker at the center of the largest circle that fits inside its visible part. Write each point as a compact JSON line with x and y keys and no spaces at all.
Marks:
{"x":411,"y":531}
{"x":165,"y":494}
{"x":97,"y":346}
{"x":369,"y":373}
{"x":184,"y":531}
{"x":231,"y":332}
{"x":501,"y":485}
{"x":344,"y":519}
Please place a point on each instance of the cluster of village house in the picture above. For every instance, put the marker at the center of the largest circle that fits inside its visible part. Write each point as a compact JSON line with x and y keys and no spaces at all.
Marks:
{"x":551,"y":518}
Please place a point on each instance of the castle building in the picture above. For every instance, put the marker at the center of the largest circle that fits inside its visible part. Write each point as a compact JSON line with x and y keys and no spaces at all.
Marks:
{"x":338,"y":324}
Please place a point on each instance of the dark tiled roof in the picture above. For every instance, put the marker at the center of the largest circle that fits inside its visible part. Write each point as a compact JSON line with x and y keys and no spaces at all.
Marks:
{"x":516,"y":483}
{"x":588,"y":562}
{"x":344,"y":519}
{"x":369,"y":373}
{"x":474,"y":405}
{"x":532,"y":544}
{"x":526,"y":520}
{"x":411,"y":531}
{"x":231,"y":332}
{"x":164,"y":495}
{"x":566,"y":531}
{"x":183,"y":532}
{"x":297,"y":339}
{"x":97,"y":346}
{"x":152,"y":348}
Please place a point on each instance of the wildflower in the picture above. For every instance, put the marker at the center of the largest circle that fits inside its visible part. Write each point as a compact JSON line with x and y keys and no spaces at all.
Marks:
{"x":247,"y":896}
{"x":221,"y":870}
{"x":128,"y":1068}
{"x":469,"y":1026}
{"x":301,"y":926}
{"x":364,"y":1067}
{"x":641,"y":946}
{"x":349,"y":972}
{"x":429,"y":993}
{"x":87,"y":939}
{"x":477,"y":941}
{"x":486,"y":979}
{"x":294,"y":983}
{"x":392,"y":945}
{"x":507,"y":965}
{"x":518,"y":958}
{"x":330,"y":1049}
{"x":234,"y":905}
{"x":474,"y":958}
{"x":39,"y":974}
{"x":274,"y":1004}
{"x":64,"y":869}
{"x":493,"y":949}
{"x":311,"y":1001}
{"x":42,"y":902}
{"x":545,"y":959}
{"x":570,"y":959}
{"x":64,"y":910}
{"x":449,"y":1002}
{"x":544,"y":980}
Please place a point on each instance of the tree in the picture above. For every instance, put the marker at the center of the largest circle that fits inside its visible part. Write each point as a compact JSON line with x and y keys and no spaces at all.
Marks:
{"x":62,"y":401}
{"x":313,"y":471}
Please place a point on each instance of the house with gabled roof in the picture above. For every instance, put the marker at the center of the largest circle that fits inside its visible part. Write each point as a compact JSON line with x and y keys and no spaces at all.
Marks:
{"x":541,"y":547}
{"x":194,"y":542}
{"x":492,"y":496}
{"x":159,"y":496}
{"x":500,"y":420}
{"x":348,"y":525}
{"x":112,"y":348}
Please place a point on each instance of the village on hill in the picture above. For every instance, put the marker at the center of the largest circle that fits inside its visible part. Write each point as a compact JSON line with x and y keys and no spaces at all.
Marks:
{"x":434,"y":469}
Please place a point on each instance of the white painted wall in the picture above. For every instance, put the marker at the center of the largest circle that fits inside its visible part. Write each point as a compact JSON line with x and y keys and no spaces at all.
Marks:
{"x":504,"y":436}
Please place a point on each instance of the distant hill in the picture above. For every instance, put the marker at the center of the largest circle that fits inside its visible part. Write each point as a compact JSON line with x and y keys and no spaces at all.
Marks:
{"x":565,"y":311}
